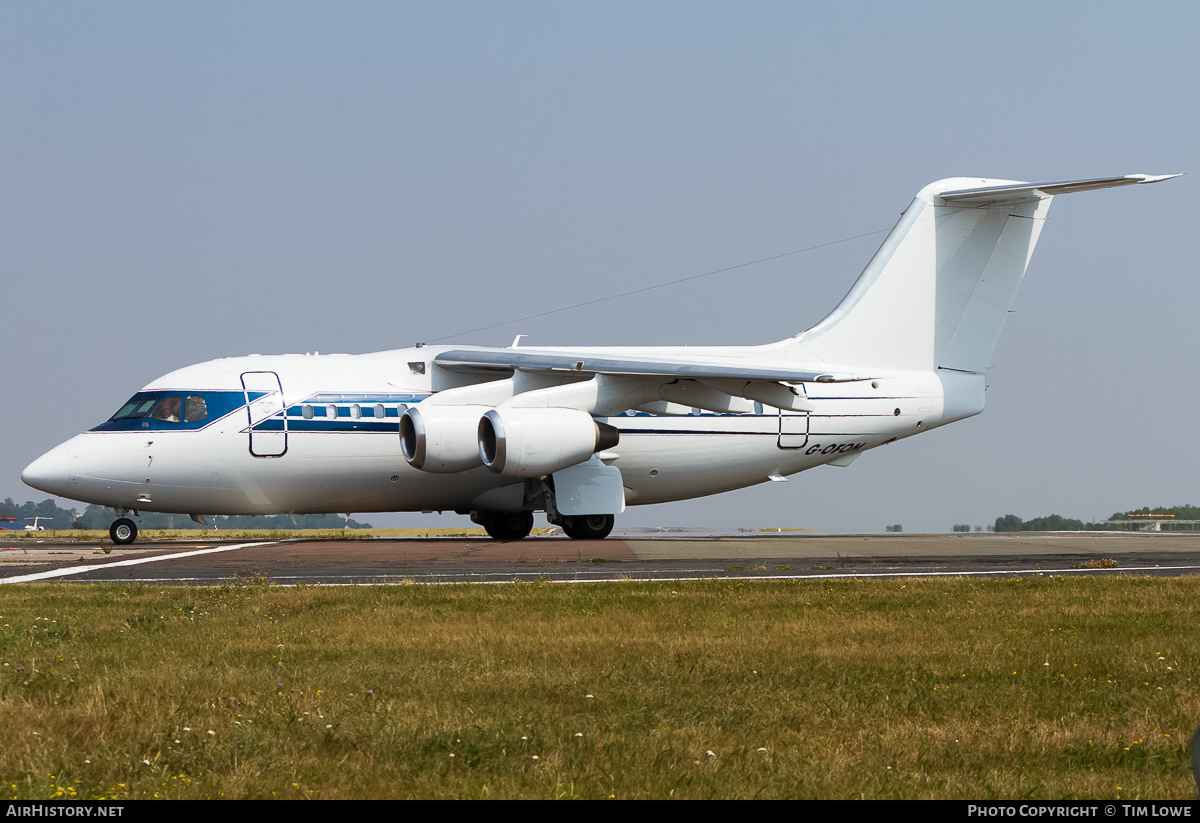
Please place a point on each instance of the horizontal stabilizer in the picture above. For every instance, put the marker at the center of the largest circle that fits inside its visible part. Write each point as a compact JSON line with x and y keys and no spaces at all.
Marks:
{"x":1021,"y":192}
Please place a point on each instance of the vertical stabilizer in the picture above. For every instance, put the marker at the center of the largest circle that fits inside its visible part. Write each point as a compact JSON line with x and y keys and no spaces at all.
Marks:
{"x":939,"y":289}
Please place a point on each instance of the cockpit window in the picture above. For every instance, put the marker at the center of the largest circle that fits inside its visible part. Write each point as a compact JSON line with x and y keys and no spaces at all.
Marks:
{"x":174,"y":410}
{"x":194,"y":409}
{"x":167,"y":409}
{"x":137,"y":407}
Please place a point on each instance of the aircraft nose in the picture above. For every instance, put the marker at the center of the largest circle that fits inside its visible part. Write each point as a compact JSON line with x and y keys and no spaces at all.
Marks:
{"x":51,"y":472}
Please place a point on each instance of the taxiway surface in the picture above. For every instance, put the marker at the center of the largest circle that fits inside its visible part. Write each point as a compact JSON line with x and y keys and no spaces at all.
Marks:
{"x":670,"y":556}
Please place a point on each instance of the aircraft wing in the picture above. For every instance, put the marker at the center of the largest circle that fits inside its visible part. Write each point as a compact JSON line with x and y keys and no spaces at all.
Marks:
{"x":532,"y":360}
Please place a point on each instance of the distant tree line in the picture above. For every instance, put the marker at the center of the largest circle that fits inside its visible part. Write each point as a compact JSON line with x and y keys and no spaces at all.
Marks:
{"x":1049,"y":523}
{"x":52,"y":516}
{"x":1058,"y":523}
{"x":1180,"y":512}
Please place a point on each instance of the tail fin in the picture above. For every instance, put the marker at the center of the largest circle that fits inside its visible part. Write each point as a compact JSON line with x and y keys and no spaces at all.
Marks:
{"x":938,"y":291}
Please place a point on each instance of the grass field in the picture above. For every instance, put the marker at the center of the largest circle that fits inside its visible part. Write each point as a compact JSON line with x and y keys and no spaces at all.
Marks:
{"x":940,"y":688}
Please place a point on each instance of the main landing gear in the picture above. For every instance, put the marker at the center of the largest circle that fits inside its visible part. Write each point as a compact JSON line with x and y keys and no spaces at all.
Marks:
{"x":504,"y":525}
{"x":518,"y":525}
{"x":588,"y":526}
{"x":123,"y":531}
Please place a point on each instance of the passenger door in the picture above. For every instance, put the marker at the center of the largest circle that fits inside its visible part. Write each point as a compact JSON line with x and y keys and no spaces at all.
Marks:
{"x":265,"y":407}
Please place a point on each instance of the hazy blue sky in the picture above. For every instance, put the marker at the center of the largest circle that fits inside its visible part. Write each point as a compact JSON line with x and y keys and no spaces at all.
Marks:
{"x":181,"y":182}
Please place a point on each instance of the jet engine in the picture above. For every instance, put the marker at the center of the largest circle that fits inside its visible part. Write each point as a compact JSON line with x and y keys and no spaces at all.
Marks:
{"x":537,"y":442}
{"x":440,"y":439}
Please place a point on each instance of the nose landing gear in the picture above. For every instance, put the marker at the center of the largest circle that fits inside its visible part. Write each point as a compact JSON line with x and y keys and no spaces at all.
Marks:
{"x":123,"y":531}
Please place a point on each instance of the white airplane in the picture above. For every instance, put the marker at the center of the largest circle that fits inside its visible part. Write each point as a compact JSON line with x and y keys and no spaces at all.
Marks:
{"x":501,"y":433}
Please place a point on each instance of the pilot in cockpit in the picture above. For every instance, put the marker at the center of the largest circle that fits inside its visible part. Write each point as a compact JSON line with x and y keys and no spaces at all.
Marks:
{"x":167,"y":409}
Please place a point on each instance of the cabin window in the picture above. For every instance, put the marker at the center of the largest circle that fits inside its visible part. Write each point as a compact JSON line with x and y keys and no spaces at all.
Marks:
{"x":379,"y":412}
{"x":356,"y":411}
{"x":307,"y":412}
{"x":331,"y":412}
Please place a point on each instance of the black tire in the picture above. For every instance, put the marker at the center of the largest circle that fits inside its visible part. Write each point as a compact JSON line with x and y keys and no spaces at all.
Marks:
{"x":504,"y":526}
{"x":589,"y":526}
{"x":123,"y":531}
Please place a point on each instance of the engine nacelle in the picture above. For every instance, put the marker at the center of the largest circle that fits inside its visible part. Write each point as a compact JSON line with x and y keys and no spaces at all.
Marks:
{"x":441,"y":439}
{"x":537,"y":442}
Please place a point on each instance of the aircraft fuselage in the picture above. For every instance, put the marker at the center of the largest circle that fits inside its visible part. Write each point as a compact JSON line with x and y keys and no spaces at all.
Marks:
{"x":331,"y":444}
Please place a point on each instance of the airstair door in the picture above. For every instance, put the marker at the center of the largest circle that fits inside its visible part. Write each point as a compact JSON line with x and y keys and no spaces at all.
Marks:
{"x":267,"y":420}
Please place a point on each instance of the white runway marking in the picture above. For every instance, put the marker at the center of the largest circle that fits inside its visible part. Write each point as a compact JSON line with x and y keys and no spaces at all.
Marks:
{"x":902,"y":574}
{"x":527,"y":577}
{"x":27,"y":578}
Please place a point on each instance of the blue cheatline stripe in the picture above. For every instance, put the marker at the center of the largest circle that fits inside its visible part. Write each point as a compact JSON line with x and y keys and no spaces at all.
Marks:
{"x":346,"y":425}
{"x":334,"y":397}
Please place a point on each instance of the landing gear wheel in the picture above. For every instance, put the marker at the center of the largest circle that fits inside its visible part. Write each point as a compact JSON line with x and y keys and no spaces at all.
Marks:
{"x":123,"y":531}
{"x":502,"y":526}
{"x":589,"y":526}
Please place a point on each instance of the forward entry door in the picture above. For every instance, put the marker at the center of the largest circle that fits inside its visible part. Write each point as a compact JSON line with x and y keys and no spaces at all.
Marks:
{"x":264,"y":405}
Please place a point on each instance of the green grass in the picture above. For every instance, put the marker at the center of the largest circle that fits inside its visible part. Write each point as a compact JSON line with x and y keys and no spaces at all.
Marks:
{"x":947,"y":688}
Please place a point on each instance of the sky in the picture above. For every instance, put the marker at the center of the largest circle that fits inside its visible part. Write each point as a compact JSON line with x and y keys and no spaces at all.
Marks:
{"x":186,"y":181}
